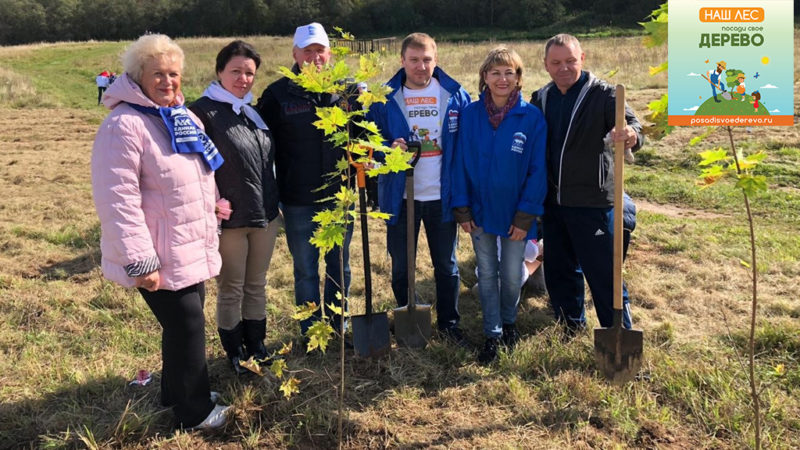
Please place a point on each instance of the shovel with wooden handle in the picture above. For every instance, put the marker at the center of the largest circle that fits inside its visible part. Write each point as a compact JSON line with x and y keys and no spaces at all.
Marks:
{"x":412,"y":323}
{"x":618,"y":351}
{"x":371,"y":330}
{"x":725,"y":94}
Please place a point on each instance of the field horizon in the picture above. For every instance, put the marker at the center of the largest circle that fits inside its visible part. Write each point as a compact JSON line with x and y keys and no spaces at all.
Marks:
{"x":73,"y":341}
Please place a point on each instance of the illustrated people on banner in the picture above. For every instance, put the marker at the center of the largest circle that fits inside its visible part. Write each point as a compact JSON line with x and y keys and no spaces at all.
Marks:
{"x":714,"y":76}
{"x":756,"y":97}
{"x":740,"y":88}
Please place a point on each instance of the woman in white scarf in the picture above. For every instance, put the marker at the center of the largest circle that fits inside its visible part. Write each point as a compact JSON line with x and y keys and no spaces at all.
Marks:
{"x":247,"y":181}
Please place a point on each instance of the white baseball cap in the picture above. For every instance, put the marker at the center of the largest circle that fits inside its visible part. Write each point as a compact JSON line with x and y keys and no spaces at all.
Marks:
{"x":312,"y":33}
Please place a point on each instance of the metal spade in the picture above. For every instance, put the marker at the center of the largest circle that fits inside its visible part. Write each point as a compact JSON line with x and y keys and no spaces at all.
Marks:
{"x":371,"y":330}
{"x":412,"y":323}
{"x":618,"y":351}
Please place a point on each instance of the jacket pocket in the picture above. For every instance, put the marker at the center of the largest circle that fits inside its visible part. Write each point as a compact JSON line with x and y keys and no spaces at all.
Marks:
{"x":161,"y":240}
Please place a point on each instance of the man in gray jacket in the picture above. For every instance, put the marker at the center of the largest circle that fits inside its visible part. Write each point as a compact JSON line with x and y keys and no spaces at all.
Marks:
{"x":580,"y":109}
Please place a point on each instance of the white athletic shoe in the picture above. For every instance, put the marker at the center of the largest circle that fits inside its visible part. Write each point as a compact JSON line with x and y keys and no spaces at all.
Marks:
{"x":216,"y":419}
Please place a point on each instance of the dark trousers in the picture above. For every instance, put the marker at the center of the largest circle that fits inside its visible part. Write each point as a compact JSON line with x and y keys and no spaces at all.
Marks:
{"x":300,"y":228}
{"x":100,"y":90}
{"x":580,"y":243}
{"x":184,"y":376}
{"x":442,"y":245}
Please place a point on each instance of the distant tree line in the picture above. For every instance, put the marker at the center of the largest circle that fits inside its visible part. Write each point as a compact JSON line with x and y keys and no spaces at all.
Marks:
{"x":23,"y":21}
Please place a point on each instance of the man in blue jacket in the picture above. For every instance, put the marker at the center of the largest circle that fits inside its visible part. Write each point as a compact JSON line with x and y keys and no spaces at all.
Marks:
{"x":580,"y":110}
{"x":424,"y":106}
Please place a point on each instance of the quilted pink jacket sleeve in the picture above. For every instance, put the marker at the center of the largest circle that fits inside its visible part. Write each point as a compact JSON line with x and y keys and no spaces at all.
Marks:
{"x":117,"y":195}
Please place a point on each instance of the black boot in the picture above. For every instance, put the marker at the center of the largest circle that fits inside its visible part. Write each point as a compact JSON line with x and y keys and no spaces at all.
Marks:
{"x":255,"y":331}
{"x":510,"y":335}
{"x":489,"y":352}
{"x":232,"y":344}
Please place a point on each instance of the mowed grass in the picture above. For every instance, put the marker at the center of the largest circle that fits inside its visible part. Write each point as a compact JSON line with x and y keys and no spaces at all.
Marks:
{"x":71,"y":341}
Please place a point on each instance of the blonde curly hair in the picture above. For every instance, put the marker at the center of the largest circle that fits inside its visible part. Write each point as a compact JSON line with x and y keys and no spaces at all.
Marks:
{"x":147,"y":47}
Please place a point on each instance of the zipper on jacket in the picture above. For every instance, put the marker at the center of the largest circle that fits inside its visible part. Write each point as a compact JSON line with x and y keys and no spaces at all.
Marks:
{"x":566,"y":137}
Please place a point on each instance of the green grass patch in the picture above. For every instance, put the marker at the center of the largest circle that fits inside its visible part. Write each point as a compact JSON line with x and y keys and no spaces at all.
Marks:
{"x":67,"y":235}
{"x":65,"y":73}
{"x":772,"y":339}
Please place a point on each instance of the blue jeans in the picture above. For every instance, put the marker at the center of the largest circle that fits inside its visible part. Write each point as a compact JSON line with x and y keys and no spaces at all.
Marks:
{"x":714,"y":87}
{"x":299,"y":229}
{"x":442,"y":245}
{"x":498,"y":301}
{"x":580,"y":243}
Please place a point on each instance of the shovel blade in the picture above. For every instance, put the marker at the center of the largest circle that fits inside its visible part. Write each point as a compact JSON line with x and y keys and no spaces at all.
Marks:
{"x":371,"y":335}
{"x":618,"y":353}
{"x":412,"y":326}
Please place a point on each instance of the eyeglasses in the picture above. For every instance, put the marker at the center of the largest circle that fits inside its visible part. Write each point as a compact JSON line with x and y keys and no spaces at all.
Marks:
{"x":506,"y":75}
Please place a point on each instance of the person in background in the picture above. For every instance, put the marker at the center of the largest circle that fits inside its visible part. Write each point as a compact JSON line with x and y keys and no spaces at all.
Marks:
{"x":247,"y":181}
{"x":424,"y":101}
{"x":153,"y":187}
{"x":499,"y":186}
{"x":580,"y":112}
{"x":102,"y":81}
{"x":303,"y":159}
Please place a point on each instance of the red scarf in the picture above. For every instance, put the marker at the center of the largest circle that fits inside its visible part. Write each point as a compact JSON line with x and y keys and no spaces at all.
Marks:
{"x":496,"y":115}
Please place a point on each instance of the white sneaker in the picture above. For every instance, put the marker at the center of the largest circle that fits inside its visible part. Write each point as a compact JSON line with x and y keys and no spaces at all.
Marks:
{"x":216,"y":419}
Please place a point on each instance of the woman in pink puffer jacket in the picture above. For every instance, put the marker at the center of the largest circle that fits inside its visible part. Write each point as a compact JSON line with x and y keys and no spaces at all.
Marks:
{"x":154,"y":190}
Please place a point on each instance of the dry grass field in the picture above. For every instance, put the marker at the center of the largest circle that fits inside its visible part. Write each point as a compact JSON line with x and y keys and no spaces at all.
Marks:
{"x":70,"y":342}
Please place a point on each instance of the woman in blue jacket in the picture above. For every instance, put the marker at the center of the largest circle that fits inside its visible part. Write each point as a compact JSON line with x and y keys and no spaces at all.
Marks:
{"x":499,"y":185}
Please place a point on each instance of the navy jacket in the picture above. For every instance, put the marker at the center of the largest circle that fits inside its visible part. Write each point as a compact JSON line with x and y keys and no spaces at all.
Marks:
{"x":584,"y":172}
{"x":304,"y":158}
{"x":391,"y":120}
{"x":499,"y":172}
{"x":246,"y":178}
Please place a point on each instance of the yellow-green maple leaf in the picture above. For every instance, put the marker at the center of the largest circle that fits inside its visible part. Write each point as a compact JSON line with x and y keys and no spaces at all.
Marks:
{"x":286,"y":349}
{"x":379,"y":215}
{"x":335,"y":309}
{"x":319,"y":335}
{"x":305,"y":311}
{"x":277,"y":367}
{"x":290,"y":387}
{"x":368,"y":125}
{"x":330,"y":119}
{"x":711,"y":156}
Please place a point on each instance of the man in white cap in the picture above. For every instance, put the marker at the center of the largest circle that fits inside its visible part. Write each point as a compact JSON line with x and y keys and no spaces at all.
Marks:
{"x":303,"y":158}
{"x":311,"y":45}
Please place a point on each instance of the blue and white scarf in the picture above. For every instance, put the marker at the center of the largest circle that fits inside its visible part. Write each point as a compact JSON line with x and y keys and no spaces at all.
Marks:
{"x":185,"y":135}
{"x":216,"y":92}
